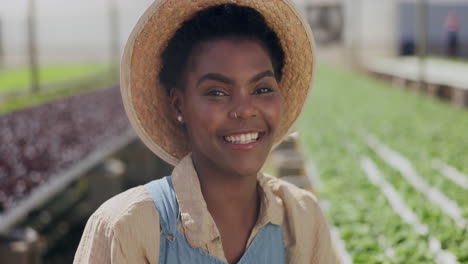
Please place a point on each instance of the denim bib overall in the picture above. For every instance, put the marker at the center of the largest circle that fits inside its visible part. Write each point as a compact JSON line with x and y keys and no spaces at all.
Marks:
{"x":266,"y":248}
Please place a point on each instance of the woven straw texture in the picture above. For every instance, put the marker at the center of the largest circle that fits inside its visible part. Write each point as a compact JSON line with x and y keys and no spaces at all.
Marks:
{"x":145,"y":99}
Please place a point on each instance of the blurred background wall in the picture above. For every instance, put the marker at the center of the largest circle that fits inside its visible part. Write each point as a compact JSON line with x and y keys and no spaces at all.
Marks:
{"x":437,"y":31}
{"x":370,"y":28}
{"x":78,"y":31}
{"x":367,"y":27}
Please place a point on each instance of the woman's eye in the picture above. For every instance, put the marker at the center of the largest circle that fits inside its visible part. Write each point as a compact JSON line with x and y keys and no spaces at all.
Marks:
{"x":216,"y":93}
{"x":263,"y":90}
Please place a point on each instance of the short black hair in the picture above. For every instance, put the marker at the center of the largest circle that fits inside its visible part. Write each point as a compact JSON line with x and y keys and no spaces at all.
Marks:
{"x":219,"y":21}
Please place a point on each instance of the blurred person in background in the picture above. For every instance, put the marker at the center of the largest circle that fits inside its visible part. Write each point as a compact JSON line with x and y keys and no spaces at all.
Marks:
{"x":452,"y":27}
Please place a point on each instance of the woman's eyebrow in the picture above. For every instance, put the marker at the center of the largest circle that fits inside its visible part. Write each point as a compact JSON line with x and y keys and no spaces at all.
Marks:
{"x":221,"y":78}
{"x":262,"y":75}
{"x":215,"y":77}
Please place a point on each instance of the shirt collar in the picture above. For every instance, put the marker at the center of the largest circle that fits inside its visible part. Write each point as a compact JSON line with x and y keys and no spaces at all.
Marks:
{"x":199,"y":226}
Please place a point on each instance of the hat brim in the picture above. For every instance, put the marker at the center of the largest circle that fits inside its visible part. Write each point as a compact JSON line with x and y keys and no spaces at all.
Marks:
{"x":145,"y":99}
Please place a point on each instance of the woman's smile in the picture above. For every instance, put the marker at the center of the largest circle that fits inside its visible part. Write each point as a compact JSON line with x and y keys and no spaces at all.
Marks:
{"x":243,"y":137}
{"x":244,"y":140}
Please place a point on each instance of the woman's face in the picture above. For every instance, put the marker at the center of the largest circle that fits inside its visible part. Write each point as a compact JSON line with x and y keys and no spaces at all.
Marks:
{"x":231,"y":105}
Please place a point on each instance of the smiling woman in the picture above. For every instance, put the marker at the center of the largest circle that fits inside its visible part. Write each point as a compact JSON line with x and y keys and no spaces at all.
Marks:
{"x":230,"y":94}
{"x":211,"y":87}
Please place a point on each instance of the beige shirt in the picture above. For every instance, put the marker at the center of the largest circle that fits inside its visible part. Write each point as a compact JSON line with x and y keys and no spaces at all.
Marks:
{"x":125,"y":229}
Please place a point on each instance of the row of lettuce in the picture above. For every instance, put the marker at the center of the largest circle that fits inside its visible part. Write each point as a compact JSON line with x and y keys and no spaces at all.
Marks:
{"x":343,"y":107}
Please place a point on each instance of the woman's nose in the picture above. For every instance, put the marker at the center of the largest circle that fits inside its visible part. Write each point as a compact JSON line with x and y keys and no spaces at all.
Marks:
{"x":244,"y":108}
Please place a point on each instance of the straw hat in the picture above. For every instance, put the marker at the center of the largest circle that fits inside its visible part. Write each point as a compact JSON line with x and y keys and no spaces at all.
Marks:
{"x":145,"y":99}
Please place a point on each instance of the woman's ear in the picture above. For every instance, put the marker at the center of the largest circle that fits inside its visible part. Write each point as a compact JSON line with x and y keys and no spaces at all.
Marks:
{"x":176,"y":101}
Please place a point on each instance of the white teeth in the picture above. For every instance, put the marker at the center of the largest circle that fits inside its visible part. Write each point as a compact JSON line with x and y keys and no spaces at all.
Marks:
{"x":242,"y":139}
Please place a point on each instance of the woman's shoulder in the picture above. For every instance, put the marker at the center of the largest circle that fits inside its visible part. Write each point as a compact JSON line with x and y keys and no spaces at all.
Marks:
{"x":130,"y":205}
{"x":125,"y":227}
{"x":306,"y":230}
{"x":290,"y":194}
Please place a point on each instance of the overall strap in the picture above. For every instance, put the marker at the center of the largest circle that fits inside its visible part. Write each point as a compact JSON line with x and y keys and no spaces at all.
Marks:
{"x":164,"y":198}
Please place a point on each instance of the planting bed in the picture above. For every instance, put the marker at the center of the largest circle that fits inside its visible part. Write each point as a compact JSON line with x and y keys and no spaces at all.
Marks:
{"x":39,"y":142}
{"x":345,"y":111}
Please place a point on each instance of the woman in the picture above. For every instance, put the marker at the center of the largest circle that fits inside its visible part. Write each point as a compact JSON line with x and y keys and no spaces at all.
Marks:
{"x":211,"y":86}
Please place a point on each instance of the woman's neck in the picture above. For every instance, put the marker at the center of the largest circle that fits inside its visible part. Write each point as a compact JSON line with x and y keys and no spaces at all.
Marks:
{"x":228,"y":195}
{"x":234,"y":203}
